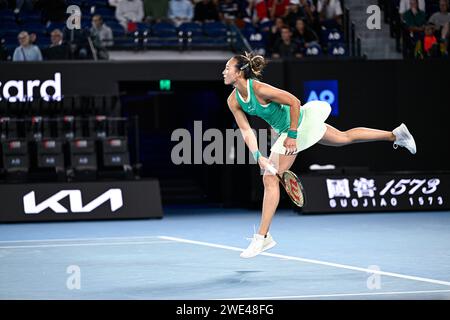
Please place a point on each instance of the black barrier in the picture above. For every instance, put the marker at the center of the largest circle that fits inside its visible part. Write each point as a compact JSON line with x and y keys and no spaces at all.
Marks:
{"x":80,"y":201}
{"x":376,"y":193}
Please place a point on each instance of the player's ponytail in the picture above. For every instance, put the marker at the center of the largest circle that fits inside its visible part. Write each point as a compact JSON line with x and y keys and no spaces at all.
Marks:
{"x":251,"y":64}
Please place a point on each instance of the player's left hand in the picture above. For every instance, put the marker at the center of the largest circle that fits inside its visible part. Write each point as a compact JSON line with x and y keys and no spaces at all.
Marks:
{"x":291,"y":146}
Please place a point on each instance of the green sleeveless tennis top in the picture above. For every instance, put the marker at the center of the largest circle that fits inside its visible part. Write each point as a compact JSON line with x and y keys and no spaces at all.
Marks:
{"x":275,"y":114}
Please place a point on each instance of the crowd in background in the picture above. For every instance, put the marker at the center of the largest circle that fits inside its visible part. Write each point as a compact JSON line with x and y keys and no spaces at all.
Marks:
{"x":427,"y":26}
{"x":289,"y":27}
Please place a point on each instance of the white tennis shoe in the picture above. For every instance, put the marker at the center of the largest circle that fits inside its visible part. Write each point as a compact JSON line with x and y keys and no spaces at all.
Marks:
{"x":404,"y":139}
{"x":258,"y":245}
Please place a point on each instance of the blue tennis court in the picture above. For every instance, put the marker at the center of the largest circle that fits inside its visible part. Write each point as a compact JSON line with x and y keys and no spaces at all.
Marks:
{"x":193,"y":253}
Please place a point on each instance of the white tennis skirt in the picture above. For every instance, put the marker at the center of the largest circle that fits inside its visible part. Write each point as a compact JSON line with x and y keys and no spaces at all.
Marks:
{"x":311,"y":129}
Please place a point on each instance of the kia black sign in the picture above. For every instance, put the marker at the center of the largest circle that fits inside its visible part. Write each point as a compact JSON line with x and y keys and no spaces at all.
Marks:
{"x":397,"y":192}
{"x":25,"y":90}
{"x":80,"y":201}
{"x":114,"y":196}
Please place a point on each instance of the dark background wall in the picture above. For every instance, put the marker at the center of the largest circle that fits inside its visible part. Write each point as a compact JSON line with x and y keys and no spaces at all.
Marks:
{"x":382,"y":94}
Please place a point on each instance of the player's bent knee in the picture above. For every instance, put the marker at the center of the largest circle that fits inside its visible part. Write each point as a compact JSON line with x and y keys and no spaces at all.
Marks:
{"x":270,"y":181}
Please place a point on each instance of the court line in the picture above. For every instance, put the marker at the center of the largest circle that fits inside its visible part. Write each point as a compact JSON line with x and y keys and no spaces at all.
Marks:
{"x":337,"y":295}
{"x":325,"y":263}
{"x":83,"y":244}
{"x":79,"y":239}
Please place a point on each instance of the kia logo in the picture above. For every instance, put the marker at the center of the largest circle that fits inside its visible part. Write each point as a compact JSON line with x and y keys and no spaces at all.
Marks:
{"x":114,"y":196}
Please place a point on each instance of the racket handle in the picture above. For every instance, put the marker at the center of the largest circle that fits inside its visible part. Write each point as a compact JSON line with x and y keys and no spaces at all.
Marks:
{"x":272,"y":169}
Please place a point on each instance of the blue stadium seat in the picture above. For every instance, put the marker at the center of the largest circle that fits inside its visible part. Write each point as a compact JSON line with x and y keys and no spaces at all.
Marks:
{"x":142,"y":27}
{"x":10,"y":48}
{"x":6,"y":13}
{"x":217,"y":33}
{"x":9,"y":26}
{"x":97,"y":3}
{"x":163,"y":34}
{"x":191,"y":28}
{"x":126,"y":42}
{"x":7,"y":18}
{"x":10,"y":44}
{"x":34,"y":27}
{"x":106,"y":13}
{"x":116,"y":28}
{"x":86,"y":21}
{"x":42,"y":40}
{"x":79,"y":3}
{"x":30,"y":14}
{"x":55,"y":25}
{"x":164,"y":29}
{"x":192,"y":32}
{"x":249,"y":29}
{"x":10,"y":34}
{"x":215,"y":29}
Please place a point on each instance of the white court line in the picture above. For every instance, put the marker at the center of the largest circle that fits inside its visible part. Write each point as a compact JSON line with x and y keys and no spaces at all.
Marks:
{"x":325,"y":263}
{"x":83,"y":244}
{"x":337,"y":295}
{"x":79,"y":239}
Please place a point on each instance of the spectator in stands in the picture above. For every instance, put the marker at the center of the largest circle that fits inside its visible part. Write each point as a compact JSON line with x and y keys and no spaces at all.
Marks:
{"x":228,"y":10}
{"x":255,"y":11}
{"x":206,"y":11}
{"x":330,"y":13}
{"x":309,"y":9}
{"x":274,"y":34}
{"x":414,"y":18}
{"x":101,"y":32}
{"x":26,"y":51}
{"x":286,"y":47}
{"x":77,"y":39}
{"x":156,"y":10}
{"x":180,"y":11}
{"x":52,"y":10}
{"x":293,"y":12}
{"x":304,"y":35}
{"x":23,"y":4}
{"x":430,"y":42}
{"x":129,"y":12}
{"x":277,"y":8}
{"x":58,"y":50}
{"x":405,"y":5}
{"x":442,"y":17}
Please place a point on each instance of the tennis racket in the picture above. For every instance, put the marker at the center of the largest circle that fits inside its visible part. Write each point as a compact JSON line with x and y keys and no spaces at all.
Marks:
{"x":291,"y":184}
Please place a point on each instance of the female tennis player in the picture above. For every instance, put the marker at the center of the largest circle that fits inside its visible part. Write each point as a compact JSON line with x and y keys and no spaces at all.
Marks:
{"x":299,"y":127}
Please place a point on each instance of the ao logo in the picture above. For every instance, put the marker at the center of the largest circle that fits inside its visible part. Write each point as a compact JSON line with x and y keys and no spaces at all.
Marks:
{"x":334,"y":36}
{"x":312,"y":51}
{"x":338,"y":51}
{"x":324,"y":95}
{"x":256,"y":37}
